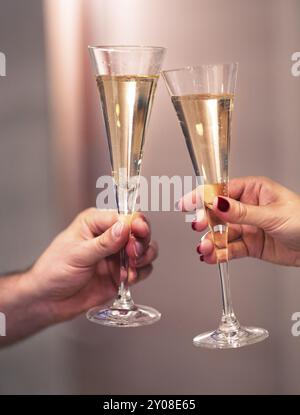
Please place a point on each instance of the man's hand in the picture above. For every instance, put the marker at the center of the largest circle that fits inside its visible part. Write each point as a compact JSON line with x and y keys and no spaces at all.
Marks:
{"x":80,"y":269}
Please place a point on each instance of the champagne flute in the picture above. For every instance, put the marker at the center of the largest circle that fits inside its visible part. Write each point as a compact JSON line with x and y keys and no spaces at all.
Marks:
{"x":203,"y":99}
{"x":126,"y":78}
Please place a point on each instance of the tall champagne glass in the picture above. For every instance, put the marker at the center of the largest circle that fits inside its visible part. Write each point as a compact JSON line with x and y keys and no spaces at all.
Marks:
{"x":203,"y":99}
{"x":126,"y":78}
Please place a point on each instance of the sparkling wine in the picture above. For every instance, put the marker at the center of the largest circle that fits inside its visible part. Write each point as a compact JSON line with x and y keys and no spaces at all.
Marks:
{"x":206,"y":121}
{"x":126,"y":103}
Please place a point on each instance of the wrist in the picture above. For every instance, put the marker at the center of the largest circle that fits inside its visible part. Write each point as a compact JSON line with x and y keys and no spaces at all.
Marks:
{"x":28,"y":300}
{"x":25,"y":312}
{"x":46,"y":301}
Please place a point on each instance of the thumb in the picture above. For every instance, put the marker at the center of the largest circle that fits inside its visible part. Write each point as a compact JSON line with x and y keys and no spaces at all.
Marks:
{"x":233,"y":211}
{"x":110,"y":242}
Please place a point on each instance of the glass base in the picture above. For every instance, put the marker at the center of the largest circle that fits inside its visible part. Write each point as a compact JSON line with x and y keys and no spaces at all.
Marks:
{"x":238,"y":337}
{"x":139,"y":315}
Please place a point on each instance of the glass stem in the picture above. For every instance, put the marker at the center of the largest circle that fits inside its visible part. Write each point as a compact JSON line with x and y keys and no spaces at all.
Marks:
{"x":125,"y":201}
{"x":229,"y":322}
{"x":124,"y":300}
{"x":225,"y":288}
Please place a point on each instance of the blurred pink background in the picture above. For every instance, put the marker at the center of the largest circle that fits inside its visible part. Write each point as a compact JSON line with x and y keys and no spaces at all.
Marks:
{"x":53,"y":148}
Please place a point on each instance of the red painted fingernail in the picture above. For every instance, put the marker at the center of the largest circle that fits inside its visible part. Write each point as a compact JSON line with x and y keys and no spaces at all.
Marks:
{"x":201,"y":258}
{"x":223,"y":204}
{"x":198,"y":249}
{"x":194,"y":225}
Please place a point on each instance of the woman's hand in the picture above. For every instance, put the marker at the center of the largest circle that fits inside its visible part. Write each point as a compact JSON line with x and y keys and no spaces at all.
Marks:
{"x":264,"y":222}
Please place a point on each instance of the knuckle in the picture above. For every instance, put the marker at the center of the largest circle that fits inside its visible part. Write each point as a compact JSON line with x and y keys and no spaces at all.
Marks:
{"x":102,"y":243}
{"x":264,"y":179}
{"x":87,"y":212}
{"x":241,"y":211}
{"x":83,"y":216}
{"x":232,"y":252}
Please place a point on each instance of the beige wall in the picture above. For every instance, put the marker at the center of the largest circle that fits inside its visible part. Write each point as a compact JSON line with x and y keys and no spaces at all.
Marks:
{"x":80,"y":357}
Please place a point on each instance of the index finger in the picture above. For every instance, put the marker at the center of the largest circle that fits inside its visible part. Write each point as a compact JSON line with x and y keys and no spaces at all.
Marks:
{"x":192,"y":200}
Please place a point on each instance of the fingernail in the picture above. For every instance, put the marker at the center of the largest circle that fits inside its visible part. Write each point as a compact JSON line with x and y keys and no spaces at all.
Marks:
{"x":194,"y":225}
{"x":201,"y":258}
{"x":223,"y":204}
{"x":199,"y":249}
{"x":117,"y":229}
{"x":139,"y":248}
